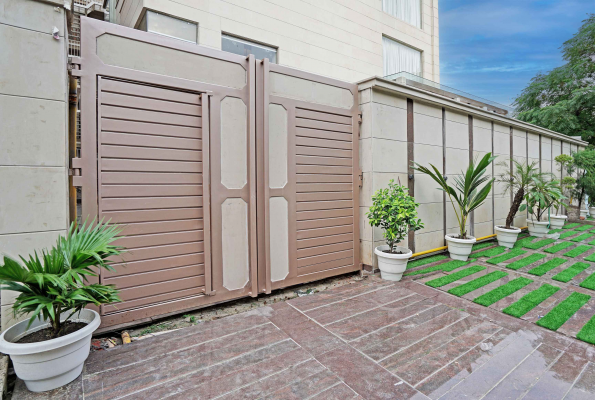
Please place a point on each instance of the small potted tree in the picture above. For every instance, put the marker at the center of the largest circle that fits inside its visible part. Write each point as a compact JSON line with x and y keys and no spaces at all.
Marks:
{"x":542,"y":194}
{"x":48,"y":350}
{"x":565,"y":163}
{"x":465,"y":196}
{"x":396,"y":213}
{"x":516,"y":182}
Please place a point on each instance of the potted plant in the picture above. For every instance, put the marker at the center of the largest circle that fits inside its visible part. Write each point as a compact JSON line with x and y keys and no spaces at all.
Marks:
{"x":48,"y":350}
{"x":465,"y":196}
{"x":516,"y":182}
{"x":542,"y":194}
{"x":396,"y":213}
{"x":564,"y":162}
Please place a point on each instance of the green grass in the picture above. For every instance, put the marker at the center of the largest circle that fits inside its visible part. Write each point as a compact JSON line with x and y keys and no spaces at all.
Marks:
{"x":554,"y":231}
{"x":424,"y":261}
{"x":501,"y":292}
{"x":483,"y":245}
{"x":578,"y":251}
{"x":445,"y":280}
{"x":589,"y":283}
{"x":587,"y":332}
{"x":477,"y":283}
{"x":568,"y":226}
{"x":447,"y":267}
{"x":593,"y":231}
{"x":563,"y":311}
{"x":590,"y":258}
{"x":489,"y":252}
{"x":539,"y":244}
{"x":547,"y":266}
{"x":592,"y":243}
{"x":558,"y":247}
{"x":506,"y":256}
{"x":530,"y":301}
{"x":568,"y":234}
{"x":582,"y":237}
{"x":523,"y":262}
{"x":571,"y":272}
{"x":523,"y":241}
{"x":584,"y":228}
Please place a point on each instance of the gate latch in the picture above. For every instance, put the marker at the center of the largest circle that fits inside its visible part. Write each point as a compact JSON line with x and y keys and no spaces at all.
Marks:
{"x":361,"y":179}
{"x":75,"y":171}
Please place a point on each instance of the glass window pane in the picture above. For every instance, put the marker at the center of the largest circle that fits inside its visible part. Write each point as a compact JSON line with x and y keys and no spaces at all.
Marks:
{"x":398,"y":58}
{"x":405,"y":10}
{"x":244,"y":48}
{"x":169,"y":26}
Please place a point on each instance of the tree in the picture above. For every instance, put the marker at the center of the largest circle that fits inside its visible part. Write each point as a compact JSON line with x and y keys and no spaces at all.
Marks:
{"x":584,"y":161}
{"x":563,"y":99}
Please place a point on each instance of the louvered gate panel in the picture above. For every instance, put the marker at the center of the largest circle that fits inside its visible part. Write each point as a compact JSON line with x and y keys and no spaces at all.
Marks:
{"x":151,"y":169}
{"x":308,"y":137}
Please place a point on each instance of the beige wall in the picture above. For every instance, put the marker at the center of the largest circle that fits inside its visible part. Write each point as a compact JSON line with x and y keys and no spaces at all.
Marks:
{"x":383,"y":156}
{"x":341,"y":39}
{"x":33,"y":139}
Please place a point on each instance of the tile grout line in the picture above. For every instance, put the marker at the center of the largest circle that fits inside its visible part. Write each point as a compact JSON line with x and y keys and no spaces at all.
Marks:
{"x":576,"y":380}
{"x":347,"y":298}
{"x":373,"y":308}
{"x":562,"y":352}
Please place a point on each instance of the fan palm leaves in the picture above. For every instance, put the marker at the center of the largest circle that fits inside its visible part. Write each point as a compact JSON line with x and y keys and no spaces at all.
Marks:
{"x":467,"y":194}
{"x":56,"y":280}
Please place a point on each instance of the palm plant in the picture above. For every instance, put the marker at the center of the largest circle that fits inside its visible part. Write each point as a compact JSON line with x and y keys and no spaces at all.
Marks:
{"x":466,"y":195}
{"x":56,"y":282}
{"x":517,"y":182}
{"x":542,"y":194}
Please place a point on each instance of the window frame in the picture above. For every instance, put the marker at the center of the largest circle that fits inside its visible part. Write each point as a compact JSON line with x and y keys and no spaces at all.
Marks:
{"x":144,"y":19}
{"x":250,"y":42}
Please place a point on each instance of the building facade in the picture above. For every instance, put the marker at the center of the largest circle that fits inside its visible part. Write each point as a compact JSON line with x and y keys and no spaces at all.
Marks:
{"x":349,"y":40}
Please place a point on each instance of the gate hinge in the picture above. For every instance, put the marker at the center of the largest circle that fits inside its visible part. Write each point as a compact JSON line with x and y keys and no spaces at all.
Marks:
{"x":74,"y":66}
{"x":361,"y":179}
{"x":75,"y":171}
{"x":359,"y":118}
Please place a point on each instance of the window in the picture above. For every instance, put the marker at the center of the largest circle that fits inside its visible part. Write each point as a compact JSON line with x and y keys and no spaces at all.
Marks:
{"x":169,"y":26}
{"x":406,"y":10}
{"x":244,"y":48}
{"x":398,"y":58}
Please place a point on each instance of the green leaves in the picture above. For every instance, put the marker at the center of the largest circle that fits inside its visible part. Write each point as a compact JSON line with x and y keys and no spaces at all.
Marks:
{"x":542,"y":194}
{"x":56,"y":282}
{"x":395,"y":212}
{"x":466,"y":195}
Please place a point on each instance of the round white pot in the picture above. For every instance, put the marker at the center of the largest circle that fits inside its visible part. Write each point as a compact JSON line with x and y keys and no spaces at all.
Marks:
{"x":53,"y":363}
{"x":584,"y":214}
{"x":557,"y":221}
{"x":507,"y":237}
{"x":459,"y":249}
{"x":537,"y":229}
{"x":592,"y":211}
{"x":391,"y":265}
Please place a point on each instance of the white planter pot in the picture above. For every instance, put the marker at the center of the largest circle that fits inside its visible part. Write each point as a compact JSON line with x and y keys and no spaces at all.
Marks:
{"x":537,"y":229}
{"x":592,"y":211}
{"x":53,"y":363}
{"x":391,"y":265}
{"x":459,"y":249}
{"x":584,"y":214}
{"x":507,"y":237}
{"x":557,"y":221}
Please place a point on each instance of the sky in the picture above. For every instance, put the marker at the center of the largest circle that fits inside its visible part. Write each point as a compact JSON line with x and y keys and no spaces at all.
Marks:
{"x":492,"y":48}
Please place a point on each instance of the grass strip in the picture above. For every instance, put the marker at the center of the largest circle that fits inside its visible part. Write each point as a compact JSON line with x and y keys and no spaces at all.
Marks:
{"x":583,"y":228}
{"x":589,"y":283}
{"x":568,"y":234}
{"x":577,"y":251}
{"x":558,"y":247}
{"x":539,"y":244}
{"x":592,"y":243}
{"x":523,"y":262}
{"x":590,"y":258}
{"x":571,"y":272}
{"x":547,"y":266}
{"x":582,"y":237}
{"x":506,"y":256}
{"x":530,"y":300}
{"x":563,"y":311}
{"x":447,"y":267}
{"x":445,"y":280}
{"x":483,"y":245}
{"x":501,"y":292}
{"x":593,"y":231}
{"x":424,"y":261}
{"x":587,"y":332}
{"x":568,"y":226}
{"x":554,"y":231}
{"x":477,"y":283}
{"x":489,"y":252}
{"x":521,"y":242}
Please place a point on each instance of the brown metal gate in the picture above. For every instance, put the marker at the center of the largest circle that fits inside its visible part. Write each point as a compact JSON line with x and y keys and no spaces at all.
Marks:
{"x":169,"y":150}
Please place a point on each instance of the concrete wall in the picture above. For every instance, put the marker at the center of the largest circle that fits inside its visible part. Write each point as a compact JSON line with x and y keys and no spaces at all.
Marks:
{"x":341,"y":39}
{"x":446,"y":134}
{"x":33,"y":130}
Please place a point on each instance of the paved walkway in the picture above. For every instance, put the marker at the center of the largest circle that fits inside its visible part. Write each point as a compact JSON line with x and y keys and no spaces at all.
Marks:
{"x":369,"y":340}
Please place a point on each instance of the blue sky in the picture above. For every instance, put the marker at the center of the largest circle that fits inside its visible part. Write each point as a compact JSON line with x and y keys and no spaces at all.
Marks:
{"x":492,"y":48}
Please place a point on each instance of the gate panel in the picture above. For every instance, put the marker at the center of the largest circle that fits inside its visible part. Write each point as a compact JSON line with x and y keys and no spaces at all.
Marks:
{"x":308,"y":135}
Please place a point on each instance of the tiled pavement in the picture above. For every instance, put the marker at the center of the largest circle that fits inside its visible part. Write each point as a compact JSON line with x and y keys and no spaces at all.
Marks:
{"x":369,"y":340}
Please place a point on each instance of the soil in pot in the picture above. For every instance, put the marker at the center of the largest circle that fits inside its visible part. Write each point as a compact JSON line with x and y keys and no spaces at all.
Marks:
{"x":46,"y":334}
{"x":453,"y":236}
{"x":392,"y":252}
{"x":508,"y":229}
